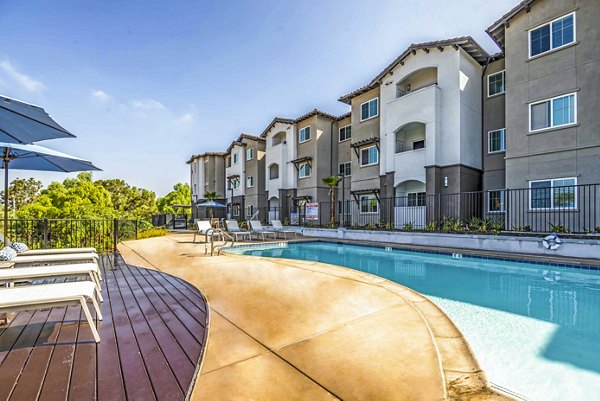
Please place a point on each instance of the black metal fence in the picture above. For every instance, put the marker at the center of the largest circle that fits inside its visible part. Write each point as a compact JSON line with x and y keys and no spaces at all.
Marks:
{"x":102,"y":234}
{"x":563,"y":209}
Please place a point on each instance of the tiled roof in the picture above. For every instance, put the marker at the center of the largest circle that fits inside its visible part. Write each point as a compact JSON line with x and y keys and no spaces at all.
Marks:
{"x":194,"y":157}
{"x":345,"y":115}
{"x":496,"y":30}
{"x":275,"y":121}
{"x":242,"y":137}
{"x":467,"y":43}
{"x":315,"y":112}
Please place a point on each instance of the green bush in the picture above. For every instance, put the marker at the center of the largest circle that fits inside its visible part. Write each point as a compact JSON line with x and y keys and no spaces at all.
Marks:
{"x":151,"y":233}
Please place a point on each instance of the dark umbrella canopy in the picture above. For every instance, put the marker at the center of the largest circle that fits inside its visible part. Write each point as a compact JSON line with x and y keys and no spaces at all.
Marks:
{"x":22,"y":122}
{"x":39,"y":158}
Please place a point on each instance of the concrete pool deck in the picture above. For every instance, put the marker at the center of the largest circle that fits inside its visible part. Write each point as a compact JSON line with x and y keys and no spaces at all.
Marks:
{"x":295,"y":330}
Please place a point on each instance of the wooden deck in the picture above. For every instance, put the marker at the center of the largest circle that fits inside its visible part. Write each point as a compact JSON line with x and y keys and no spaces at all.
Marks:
{"x":152,"y":340}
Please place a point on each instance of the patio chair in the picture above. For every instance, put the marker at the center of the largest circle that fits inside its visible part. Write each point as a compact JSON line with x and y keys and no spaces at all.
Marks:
{"x":58,"y":258}
{"x":234,"y":229}
{"x":202,"y":227}
{"x":41,"y":272}
{"x":50,"y":251}
{"x":280,"y":229}
{"x":257,"y":228}
{"x":30,"y":297}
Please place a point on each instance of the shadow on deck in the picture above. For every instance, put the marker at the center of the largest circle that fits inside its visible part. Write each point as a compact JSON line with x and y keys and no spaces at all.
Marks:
{"x":153,"y":337}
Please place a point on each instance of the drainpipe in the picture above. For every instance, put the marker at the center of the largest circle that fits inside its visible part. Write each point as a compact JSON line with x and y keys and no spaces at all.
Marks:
{"x":483,"y":91}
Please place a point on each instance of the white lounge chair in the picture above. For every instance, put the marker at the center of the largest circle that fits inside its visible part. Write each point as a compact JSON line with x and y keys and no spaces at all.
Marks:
{"x":234,"y":229}
{"x":41,"y":272}
{"x":38,"y":252}
{"x":49,"y":295}
{"x":280,"y":229}
{"x":202,"y":227}
{"x":257,"y":228}
{"x":62,"y":258}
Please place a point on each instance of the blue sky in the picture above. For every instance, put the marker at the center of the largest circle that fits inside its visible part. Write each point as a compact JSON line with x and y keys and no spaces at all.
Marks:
{"x":146,"y":83}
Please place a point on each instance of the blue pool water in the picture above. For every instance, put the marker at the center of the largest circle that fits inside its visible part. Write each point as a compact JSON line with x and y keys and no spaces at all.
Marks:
{"x":534,"y":328}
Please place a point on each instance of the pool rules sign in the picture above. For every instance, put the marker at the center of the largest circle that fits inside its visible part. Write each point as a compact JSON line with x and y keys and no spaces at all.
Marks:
{"x":312,"y":212}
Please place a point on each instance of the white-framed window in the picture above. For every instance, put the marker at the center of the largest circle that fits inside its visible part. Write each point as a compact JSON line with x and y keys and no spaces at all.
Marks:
{"x":249,"y":181}
{"x":552,"y":35}
{"x":304,"y":170}
{"x":369,"y":109}
{"x":416,"y":199}
{"x":304,"y":134}
{"x":496,"y":201}
{"x":345,"y":133}
{"x":345,"y":169}
{"x":249,"y":210}
{"x":496,"y":83}
{"x":554,"y":112}
{"x":369,"y":156}
{"x":369,"y":204}
{"x":558,"y":193}
{"x":235,"y":184}
{"x":418,"y":144}
{"x":496,"y":140}
{"x":235,"y":158}
{"x":250,"y":154}
{"x":274,"y":171}
{"x":236,"y":210}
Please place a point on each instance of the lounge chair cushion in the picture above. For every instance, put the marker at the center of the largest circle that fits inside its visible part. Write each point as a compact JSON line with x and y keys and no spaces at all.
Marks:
{"x":7,"y":254}
{"x":19,"y":247}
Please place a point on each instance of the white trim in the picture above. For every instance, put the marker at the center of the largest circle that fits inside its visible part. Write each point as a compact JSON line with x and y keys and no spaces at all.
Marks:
{"x":370,"y":164}
{"x":340,"y":131}
{"x":251,"y":178}
{"x":234,"y":158}
{"x":502,"y":201}
{"x":491,"y":152}
{"x":370,"y":117}
{"x":300,"y":169}
{"x":309,"y":134}
{"x":551,"y":100}
{"x":503,"y":72}
{"x":369,"y":198}
{"x":343,"y":164}
{"x":551,"y":188}
{"x":551,"y":40}
{"x":251,"y":150}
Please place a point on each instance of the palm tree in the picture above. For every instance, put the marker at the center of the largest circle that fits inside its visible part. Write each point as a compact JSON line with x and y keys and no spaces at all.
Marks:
{"x":211,"y":196}
{"x":332,"y":182}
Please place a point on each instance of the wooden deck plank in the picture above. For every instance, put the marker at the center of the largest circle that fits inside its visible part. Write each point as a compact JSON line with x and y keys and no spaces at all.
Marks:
{"x":34,"y":373}
{"x":152,"y":335}
{"x":160,"y":373}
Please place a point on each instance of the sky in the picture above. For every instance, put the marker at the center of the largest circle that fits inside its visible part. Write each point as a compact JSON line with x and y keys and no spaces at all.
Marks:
{"x":144,"y":84}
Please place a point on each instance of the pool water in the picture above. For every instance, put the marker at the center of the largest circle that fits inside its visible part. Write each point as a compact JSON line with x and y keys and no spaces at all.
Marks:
{"x":535,"y":328}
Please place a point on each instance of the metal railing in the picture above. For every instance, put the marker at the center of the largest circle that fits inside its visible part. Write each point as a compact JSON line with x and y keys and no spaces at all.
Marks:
{"x":567,"y":209}
{"x":102,"y":234}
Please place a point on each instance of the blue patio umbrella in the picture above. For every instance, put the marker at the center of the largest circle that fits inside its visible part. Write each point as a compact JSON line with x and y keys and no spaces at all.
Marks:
{"x":211,"y":204}
{"x":22,"y":122}
{"x":39,"y":158}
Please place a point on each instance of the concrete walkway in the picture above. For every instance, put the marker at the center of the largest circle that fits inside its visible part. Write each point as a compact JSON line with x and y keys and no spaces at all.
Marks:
{"x":296,"y":330}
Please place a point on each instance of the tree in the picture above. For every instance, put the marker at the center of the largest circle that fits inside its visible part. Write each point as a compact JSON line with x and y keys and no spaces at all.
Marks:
{"x":180,"y":195}
{"x":130,"y":202}
{"x":22,"y":192}
{"x":211,"y":196}
{"x":332,"y":182}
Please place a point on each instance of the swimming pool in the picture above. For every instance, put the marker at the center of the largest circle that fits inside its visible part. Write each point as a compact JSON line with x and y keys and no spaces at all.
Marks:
{"x":535,"y":328}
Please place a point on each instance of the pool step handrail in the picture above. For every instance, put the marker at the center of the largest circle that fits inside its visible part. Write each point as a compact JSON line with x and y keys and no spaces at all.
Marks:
{"x":216,"y":232}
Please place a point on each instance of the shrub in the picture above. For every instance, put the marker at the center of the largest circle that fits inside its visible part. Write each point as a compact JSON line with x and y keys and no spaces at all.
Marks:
{"x":474,"y":223}
{"x":559,"y":229}
{"x":597,"y":229}
{"x":431,"y":226}
{"x":522,"y":228}
{"x":408,"y":227}
{"x":151,"y":233}
{"x":449,"y":224}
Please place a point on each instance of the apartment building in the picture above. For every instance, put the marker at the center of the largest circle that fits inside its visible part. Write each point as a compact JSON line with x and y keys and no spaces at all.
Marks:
{"x":245,"y":177}
{"x":551,"y":99}
{"x":207,"y":174}
{"x":280,"y":173}
{"x":344,"y":165}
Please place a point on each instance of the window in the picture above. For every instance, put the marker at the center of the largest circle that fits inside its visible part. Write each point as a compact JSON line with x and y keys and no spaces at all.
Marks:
{"x":369,"y":109}
{"x":274,"y":171}
{"x":496,"y":201}
{"x":369,"y":156}
{"x":236,"y":210}
{"x":235,"y":158}
{"x":369,"y":204}
{"x":416,"y":199}
{"x":305,"y":170}
{"x":496,"y":83}
{"x":249,"y":211}
{"x":345,"y":133}
{"x":551,"y":194}
{"x":345,"y":169}
{"x":250,"y":182}
{"x":235,"y":184}
{"x":496,"y":141}
{"x":420,"y":144}
{"x":553,"y":35}
{"x":305,"y":134}
{"x":250,"y":154}
{"x":555,"y":112}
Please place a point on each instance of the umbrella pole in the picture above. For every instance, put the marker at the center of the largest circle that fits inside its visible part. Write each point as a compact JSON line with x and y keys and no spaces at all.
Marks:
{"x":6,"y":161}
